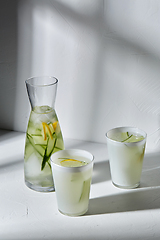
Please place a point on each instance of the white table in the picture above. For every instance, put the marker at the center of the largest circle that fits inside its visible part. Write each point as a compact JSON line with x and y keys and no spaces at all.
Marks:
{"x":113,"y":213}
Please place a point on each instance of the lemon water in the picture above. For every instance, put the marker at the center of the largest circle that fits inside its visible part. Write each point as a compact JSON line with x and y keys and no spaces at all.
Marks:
{"x":126,"y":155}
{"x":72,"y":187}
{"x":43,"y":138}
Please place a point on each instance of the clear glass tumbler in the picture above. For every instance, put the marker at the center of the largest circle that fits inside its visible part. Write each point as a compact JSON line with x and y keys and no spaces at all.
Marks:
{"x":72,"y":180}
{"x":126,"y":147}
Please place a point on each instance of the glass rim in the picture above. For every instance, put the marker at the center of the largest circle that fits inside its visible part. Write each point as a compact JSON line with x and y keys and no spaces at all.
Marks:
{"x":134,"y":129}
{"x":71,"y":153}
{"x":29,"y":81}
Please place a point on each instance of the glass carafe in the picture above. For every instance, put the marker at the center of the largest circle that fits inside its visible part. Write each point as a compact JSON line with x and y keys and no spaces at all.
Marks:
{"x":43,"y":136}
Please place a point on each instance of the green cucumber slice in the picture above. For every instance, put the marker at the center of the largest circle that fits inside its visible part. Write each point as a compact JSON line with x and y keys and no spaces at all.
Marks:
{"x":45,"y":160}
{"x":40,"y":149}
{"x":85,"y":190}
{"x":48,"y":151}
{"x":60,"y":143}
{"x":39,"y":140}
{"x":34,"y":131}
{"x":50,"y":146}
{"x":127,"y":138}
{"x":29,"y":149}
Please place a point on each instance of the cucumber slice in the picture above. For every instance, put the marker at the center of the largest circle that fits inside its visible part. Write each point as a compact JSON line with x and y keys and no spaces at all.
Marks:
{"x":45,"y":159}
{"x":38,"y":139}
{"x":127,"y":139}
{"x":29,"y":149}
{"x":50,"y":146}
{"x":60,"y":144}
{"x":40,"y":149}
{"x":48,"y":151}
{"x":85,"y":190}
{"x":51,"y":128}
{"x":56,"y":150}
{"x":34,"y":131}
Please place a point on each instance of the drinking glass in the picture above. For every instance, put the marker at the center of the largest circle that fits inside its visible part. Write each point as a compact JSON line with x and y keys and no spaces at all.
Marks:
{"x":126,"y":147}
{"x":72,"y":183}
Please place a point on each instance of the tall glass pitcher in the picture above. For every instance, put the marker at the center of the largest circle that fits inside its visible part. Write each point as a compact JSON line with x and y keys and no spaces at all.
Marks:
{"x":43,"y":136}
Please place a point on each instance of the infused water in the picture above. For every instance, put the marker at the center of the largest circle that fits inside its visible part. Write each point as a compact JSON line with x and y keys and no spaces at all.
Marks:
{"x":43,"y":138}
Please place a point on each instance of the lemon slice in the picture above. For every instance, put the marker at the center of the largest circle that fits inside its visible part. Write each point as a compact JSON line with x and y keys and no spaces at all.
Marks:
{"x":55,"y":125}
{"x":72,"y":163}
{"x":46,"y":130}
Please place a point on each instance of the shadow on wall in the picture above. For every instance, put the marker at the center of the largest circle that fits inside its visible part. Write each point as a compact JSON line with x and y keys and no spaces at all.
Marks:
{"x":88,"y":85}
{"x":8,"y":62}
{"x":100,"y":52}
{"x":44,"y":28}
{"x":124,"y":62}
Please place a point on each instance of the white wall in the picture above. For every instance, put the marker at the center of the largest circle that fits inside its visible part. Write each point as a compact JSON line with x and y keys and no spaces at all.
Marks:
{"x":106,"y":55}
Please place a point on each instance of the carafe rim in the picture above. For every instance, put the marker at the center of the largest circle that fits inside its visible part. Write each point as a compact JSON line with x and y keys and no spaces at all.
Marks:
{"x":30,"y":79}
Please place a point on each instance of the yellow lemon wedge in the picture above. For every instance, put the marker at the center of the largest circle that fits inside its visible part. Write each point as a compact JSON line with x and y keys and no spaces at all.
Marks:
{"x":72,"y":163}
{"x":55,"y":125}
{"x":46,"y":130}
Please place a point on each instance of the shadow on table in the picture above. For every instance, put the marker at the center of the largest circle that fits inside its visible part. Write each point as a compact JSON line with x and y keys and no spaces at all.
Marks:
{"x":6,"y":135}
{"x":101,"y":172}
{"x":124,"y":202}
{"x":150,"y":173}
{"x":147,"y":196}
{"x":151,"y":170}
{"x":11,"y":150}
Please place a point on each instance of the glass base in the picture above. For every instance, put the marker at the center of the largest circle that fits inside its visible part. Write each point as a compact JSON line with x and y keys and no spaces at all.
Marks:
{"x":39,"y":188}
{"x":74,"y":214}
{"x":126,"y":187}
